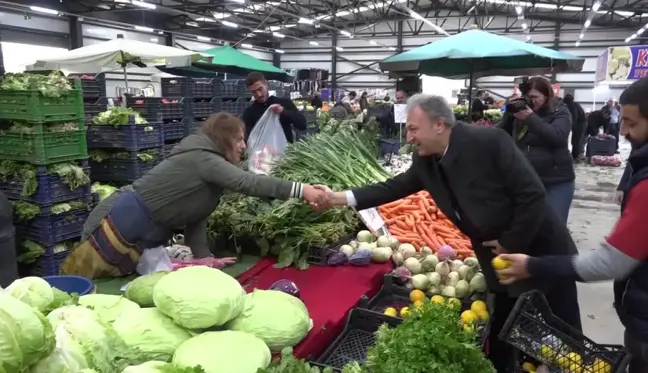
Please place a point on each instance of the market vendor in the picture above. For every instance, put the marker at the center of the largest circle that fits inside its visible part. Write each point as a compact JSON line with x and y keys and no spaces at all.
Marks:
{"x":484,"y":185}
{"x":623,"y":255}
{"x":179,"y":193}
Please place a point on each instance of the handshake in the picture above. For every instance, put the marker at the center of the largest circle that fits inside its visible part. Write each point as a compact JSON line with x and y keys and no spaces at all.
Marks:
{"x":322,"y":197}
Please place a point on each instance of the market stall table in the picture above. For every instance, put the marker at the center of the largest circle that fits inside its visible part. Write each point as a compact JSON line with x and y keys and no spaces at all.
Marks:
{"x":328,"y":292}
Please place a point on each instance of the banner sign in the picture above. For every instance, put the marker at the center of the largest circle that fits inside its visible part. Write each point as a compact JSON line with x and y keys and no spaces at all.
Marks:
{"x":623,"y":63}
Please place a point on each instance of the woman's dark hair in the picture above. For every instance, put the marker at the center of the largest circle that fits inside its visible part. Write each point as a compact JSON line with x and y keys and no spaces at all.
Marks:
{"x":636,"y":94}
{"x":222,"y":129}
{"x":542,"y":85}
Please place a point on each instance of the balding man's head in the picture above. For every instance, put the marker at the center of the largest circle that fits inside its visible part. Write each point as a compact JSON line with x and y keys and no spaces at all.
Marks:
{"x":401,"y":97}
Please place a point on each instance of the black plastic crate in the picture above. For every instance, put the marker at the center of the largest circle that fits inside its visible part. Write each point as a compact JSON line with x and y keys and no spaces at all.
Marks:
{"x":176,"y":130}
{"x":388,"y":146}
{"x":176,"y":108}
{"x":599,"y":146}
{"x":207,"y":88}
{"x":322,"y":367}
{"x":234,"y":88}
{"x":93,"y":85}
{"x":205,"y":108}
{"x":169,"y":147}
{"x":311,"y":116}
{"x":48,"y":228}
{"x":94,"y":106}
{"x":534,"y":330}
{"x":318,"y":254}
{"x":357,"y":337}
{"x":147,"y":107}
{"x":123,"y":171}
{"x":188,"y":87}
{"x":128,"y":136}
{"x":51,"y":188}
{"x":235,"y":107}
{"x":377,"y":112}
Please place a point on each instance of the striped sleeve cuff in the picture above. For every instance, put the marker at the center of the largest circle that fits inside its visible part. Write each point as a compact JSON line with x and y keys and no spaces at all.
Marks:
{"x":297,"y":190}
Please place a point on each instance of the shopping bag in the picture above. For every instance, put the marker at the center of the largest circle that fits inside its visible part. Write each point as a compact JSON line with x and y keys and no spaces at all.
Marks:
{"x":154,"y":260}
{"x":266,"y":144}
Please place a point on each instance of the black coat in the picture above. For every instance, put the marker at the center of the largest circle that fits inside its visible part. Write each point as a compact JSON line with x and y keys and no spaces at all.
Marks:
{"x":544,"y":138}
{"x":499,"y":195}
{"x":289,"y":118}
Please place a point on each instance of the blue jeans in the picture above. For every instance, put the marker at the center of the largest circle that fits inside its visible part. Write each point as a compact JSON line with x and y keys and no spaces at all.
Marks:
{"x":560,"y":197}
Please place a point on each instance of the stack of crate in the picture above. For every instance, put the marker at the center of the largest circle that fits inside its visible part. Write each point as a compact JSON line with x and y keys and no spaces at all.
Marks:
{"x":235,"y":96}
{"x":94,"y":93}
{"x":38,"y":136}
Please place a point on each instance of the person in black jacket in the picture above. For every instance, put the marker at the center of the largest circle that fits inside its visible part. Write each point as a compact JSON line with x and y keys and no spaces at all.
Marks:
{"x":482,"y":182}
{"x":8,"y":262}
{"x":290,"y":117}
{"x":316,"y":100}
{"x":389,"y":127}
{"x":598,"y":119}
{"x":623,"y":255}
{"x":542,"y":132}
{"x":579,"y":124}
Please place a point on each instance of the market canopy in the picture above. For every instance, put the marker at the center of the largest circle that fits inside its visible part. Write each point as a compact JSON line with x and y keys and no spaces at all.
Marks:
{"x":479,"y":53}
{"x":228,"y":60}
{"x":116,"y":54}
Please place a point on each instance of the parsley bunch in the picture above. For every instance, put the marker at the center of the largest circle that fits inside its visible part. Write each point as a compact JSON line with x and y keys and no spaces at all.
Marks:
{"x":431,"y":340}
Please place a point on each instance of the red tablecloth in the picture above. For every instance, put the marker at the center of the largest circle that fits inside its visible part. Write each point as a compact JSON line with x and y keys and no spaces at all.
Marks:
{"x":328,"y":292}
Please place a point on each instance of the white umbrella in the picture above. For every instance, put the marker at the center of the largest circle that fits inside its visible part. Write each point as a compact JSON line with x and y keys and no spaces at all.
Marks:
{"x":111,"y":55}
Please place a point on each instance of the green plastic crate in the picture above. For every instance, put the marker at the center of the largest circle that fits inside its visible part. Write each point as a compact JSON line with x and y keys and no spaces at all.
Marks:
{"x":32,"y":106}
{"x":44,"y":148}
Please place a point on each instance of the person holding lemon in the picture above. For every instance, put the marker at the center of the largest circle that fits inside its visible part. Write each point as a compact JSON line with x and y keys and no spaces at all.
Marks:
{"x":623,"y":255}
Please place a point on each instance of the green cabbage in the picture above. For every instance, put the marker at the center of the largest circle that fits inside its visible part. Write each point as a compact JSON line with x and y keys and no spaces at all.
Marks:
{"x":279,"y":319}
{"x":109,"y":307}
{"x":160,"y":367}
{"x":67,"y":357}
{"x":153,"y":334}
{"x":227,"y":351}
{"x":34,"y":291}
{"x":95,"y":339}
{"x":140,"y":290}
{"x":199,"y":297}
{"x":25,"y":335}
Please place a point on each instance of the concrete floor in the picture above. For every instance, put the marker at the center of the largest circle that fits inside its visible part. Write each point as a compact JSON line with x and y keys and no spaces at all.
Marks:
{"x":592,"y":216}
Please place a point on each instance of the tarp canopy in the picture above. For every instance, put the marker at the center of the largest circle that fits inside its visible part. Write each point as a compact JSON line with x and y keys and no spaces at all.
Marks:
{"x":480,"y":53}
{"x":116,"y":54}
{"x":228,"y":60}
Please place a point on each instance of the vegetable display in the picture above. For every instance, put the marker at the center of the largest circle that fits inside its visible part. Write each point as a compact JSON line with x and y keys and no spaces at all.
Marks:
{"x":72,"y":175}
{"x":52,"y":85}
{"x":118,"y":116}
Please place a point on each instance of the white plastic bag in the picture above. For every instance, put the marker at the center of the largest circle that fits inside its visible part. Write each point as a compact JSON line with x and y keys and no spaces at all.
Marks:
{"x":154,"y":260}
{"x":267,"y":142}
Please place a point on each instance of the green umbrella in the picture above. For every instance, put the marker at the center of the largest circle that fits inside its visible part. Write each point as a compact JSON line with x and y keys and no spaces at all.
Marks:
{"x":477,"y":53}
{"x":229,"y":60}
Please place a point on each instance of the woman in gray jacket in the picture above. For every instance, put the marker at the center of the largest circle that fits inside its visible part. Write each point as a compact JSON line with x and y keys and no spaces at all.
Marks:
{"x":541,"y":132}
{"x":179,"y":193}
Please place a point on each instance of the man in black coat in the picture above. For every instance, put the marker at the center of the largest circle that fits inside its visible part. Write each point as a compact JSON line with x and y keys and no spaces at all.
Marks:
{"x":485,"y":185}
{"x":579,"y":124}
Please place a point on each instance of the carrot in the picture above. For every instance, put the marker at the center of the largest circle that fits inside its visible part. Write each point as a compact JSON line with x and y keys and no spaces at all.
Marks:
{"x":402,"y":225}
{"x":394,"y":219}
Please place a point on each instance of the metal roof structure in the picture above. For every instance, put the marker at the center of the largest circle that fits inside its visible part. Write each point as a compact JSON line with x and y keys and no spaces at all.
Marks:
{"x":266,"y":23}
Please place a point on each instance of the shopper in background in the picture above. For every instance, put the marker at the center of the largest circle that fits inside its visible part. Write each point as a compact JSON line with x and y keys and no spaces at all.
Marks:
{"x":8,"y":260}
{"x":478,"y":106}
{"x":485,"y":186}
{"x":597,"y":120}
{"x":541,"y":131}
{"x":579,"y":124}
{"x":289,"y":116}
{"x":613,"y":128}
{"x":316,"y":100}
{"x":177,"y":194}
{"x":623,"y":255}
{"x":388,"y":122}
{"x":363,"y":102}
{"x":350,"y":98}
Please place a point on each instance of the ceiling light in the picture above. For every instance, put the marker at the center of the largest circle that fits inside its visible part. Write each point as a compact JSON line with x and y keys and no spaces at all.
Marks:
{"x":306,"y":21}
{"x":192,"y":24}
{"x":144,"y":29}
{"x":290,"y":25}
{"x":596,"y":6}
{"x":342,"y":13}
{"x":346,"y":33}
{"x":44,"y":10}
{"x":581,"y":36}
{"x":205,"y":19}
{"x":154,"y":40}
{"x":279,"y":51}
{"x":229,"y":24}
{"x":588,"y":23}
{"x":238,"y":1}
{"x":313,"y":43}
{"x":275,"y":28}
{"x":372,"y":42}
{"x":518,"y":10}
{"x":143,"y":4}
{"x":279,"y":35}
{"x":577,"y":43}
{"x":528,"y":38}
{"x":160,"y":32}
{"x":339,"y":49}
{"x":524,"y":26}
{"x":392,"y":48}
{"x":246,"y":45}
{"x":203,"y":38}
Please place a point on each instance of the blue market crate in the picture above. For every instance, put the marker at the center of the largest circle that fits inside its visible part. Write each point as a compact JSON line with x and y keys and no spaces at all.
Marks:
{"x":235,"y":107}
{"x":128,"y":136}
{"x":176,"y":130}
{"x":194,"y":126}
{"x":119,"y":170}
{"x":147,"y":107}
{"x":388,"y":146}
{"x":205,"y":108}
{"x":93,"y":85}
{"x":51,"y":188}
{"x":176,"y":108}
{"x":48,"y":228}
{"x":48,"y":264}
{"x":188,"y":87}
{"x":168,"y":148}
{"x":92,"y":107}
{"x":207,"y":87}
{"x":234,"y":88}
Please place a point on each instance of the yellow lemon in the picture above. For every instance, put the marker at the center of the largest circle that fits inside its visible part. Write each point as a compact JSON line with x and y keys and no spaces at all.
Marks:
{"x":469,"y":317}
{"x":454,"y":303}
{"x":528,"y":367}
{"x":483,"y":315}
{"x":418,"y":304}
{"x":416,"y":295}
{"x":575,"y":358}
{"x":499,"y":263}
{"x":404,"y":312}
{"x":575,"y":368}
{"x":562,"y":361}
{"x":391,"y":311}
{"x":600,"y":366}
{"x":438,"y":299}
{"x":477,"y":306}
{"x":547,"y":353}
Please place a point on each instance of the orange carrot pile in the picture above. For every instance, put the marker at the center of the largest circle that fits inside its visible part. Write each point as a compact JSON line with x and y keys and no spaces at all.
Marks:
{"x":417,"y":220}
